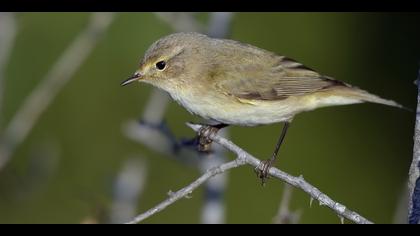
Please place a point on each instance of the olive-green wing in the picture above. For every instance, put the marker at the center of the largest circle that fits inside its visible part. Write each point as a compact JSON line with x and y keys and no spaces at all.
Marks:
{"x":276,"y":81}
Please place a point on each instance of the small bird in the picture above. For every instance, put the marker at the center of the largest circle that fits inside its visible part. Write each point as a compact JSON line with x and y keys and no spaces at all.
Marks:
{"x":234,"y":83}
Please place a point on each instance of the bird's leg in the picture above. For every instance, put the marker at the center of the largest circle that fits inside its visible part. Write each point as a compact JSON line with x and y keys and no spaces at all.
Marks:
{"x":264,"y":167}
{"x":204,"y":143}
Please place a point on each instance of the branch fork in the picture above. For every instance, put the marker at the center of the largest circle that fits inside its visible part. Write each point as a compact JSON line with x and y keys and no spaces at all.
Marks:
{"x":243,"y":158}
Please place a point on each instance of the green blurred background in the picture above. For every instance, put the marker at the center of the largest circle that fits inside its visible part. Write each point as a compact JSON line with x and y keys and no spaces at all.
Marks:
{"x":359,"y":154}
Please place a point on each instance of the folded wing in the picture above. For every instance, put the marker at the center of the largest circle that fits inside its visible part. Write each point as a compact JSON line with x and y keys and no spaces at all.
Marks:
{"x":274,"y":80}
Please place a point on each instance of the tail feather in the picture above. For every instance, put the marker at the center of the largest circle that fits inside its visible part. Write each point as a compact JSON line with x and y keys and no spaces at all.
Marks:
{"x":365,"y":96}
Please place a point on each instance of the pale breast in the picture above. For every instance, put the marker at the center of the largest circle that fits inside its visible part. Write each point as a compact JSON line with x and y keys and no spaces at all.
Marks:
{"x":229,"y":110}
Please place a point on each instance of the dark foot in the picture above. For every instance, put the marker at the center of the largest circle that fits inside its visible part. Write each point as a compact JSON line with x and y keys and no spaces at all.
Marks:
{"x":204,"y":142}
{"x":262,"y":170}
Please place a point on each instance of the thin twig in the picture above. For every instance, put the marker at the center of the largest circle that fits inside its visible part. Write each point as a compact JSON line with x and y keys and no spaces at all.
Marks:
{"x":58,"y":76}
{"x":414,"y":173}
{"x":184,"y":192}
{"x":245,"y":158}
{"x":7,"y":35}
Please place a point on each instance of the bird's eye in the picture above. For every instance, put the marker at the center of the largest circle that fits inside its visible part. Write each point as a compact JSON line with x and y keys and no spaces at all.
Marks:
{"x":161,"y":65}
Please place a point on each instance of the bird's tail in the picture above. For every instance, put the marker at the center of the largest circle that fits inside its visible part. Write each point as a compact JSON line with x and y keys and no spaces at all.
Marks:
{"x":364,"y":96}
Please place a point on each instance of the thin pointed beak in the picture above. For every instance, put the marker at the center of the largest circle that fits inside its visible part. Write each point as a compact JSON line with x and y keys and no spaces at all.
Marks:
{"x":131,"y":79}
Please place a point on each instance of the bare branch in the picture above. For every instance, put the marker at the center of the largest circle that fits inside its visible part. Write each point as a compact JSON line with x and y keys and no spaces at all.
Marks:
{"x":58,"y":76}
{"x":298,"y":182}
{"x":245,"y":158}
{"x":188,"y":190}
{"x":414,"y":173}
{"x":7,"y":35}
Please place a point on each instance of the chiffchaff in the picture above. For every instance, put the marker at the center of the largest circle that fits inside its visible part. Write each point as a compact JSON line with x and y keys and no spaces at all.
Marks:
{"x":235,"y":83}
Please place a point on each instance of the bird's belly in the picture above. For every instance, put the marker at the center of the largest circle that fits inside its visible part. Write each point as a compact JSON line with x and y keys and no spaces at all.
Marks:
{"x":232,"y":111}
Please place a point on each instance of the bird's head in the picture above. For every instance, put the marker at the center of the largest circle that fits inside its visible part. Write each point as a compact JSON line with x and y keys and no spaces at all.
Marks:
{"x":169,"y":61}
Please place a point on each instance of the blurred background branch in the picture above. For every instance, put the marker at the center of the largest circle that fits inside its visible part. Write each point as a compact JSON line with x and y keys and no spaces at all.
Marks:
{"x":284,"y":214}
{"x":56,"y":78}
{"x":8,"y":28}
{"x":181,"y":21}
{"x":401,"y":207}
{"x":414,"y":173}
{"x":220,"y":24}
{"x":128,"y":187}
{"x":152,"y":132}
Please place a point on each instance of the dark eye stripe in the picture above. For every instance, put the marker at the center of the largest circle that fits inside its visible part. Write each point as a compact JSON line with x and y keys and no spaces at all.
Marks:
{"x":161,"y":65}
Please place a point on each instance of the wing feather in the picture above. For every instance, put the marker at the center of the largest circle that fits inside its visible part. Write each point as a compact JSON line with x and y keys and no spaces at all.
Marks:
{"x":281,"y":78}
